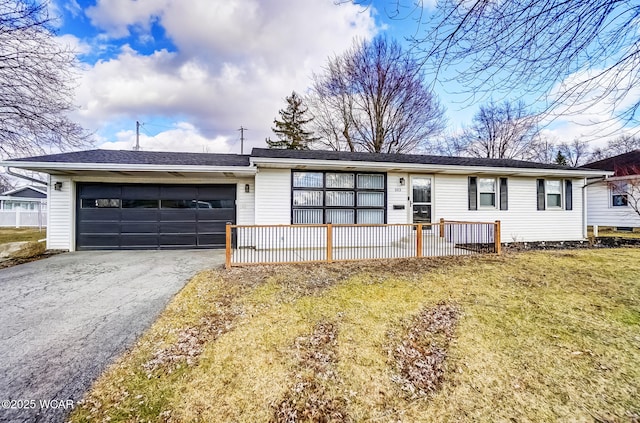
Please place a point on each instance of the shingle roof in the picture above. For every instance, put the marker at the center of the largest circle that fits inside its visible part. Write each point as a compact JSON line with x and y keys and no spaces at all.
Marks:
{"x":142,"y":157}
{"x":402,"y":158}
{"x":618,"y":163}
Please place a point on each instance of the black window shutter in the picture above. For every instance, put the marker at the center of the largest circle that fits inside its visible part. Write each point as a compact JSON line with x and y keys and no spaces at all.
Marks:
{"x":568,"y":194}
{"x":540,"y":194}
{"x":504,"y":200}
{"x":473,"y":193}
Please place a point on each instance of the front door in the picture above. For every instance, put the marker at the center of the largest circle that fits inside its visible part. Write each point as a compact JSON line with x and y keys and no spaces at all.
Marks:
{"x":421,"y":199}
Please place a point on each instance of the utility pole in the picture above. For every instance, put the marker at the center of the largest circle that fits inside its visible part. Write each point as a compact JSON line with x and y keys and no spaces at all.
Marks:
{"x":242,"y":138}
{"x":137,"y":146}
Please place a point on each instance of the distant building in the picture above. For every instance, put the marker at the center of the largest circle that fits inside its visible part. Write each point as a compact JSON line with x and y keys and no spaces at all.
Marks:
{"x":27,"y":198}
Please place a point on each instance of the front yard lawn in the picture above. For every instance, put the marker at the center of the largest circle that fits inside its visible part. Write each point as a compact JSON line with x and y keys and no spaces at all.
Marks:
{"x":526,"y":337}
{"x":21,"y":234}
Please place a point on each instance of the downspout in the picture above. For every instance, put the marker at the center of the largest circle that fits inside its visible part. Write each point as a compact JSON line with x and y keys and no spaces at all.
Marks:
{"x":28,"y":178}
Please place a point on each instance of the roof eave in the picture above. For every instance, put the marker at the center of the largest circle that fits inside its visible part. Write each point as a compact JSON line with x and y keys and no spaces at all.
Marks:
{"x":433,"y":168}
{"x":123,"y":167}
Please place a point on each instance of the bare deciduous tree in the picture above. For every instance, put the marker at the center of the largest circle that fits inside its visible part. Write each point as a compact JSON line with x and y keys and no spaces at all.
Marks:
{"x":579,"y":52}
{"x":622,"y":144}
{"x":374,"y":98}
{"x":503,"y":131}
{"x":576,"y":152}
{"x":36,"y":82}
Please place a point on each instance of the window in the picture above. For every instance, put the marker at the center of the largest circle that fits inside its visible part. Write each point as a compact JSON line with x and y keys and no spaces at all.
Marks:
{"x":619,"y":197}
{"x":550,"y":193}
{"x":99,"y":203}
{"x":139,"y":204}
{"x":554,"y":194}
{"x":485,"y":193}
{"x":338,"y":198}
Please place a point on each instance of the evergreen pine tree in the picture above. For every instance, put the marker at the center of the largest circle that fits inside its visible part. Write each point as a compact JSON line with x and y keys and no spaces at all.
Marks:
{"x":290,"y":129}
{"x":561,"y":159}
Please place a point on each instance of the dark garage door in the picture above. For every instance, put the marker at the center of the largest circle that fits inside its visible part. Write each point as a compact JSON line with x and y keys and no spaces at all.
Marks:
{"x":139,"y":216}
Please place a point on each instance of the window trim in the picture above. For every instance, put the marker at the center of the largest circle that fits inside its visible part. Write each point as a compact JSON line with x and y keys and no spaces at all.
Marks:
{"x":566,"y":196}
{"x":495,"y":193}
{"x":613,"y":189}
{"x":324,"y":189}
{"x":547,"y":194}
{"x":500,"y":193}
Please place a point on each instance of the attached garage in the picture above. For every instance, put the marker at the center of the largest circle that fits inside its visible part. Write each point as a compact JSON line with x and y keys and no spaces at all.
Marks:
{"x":153,"y":216}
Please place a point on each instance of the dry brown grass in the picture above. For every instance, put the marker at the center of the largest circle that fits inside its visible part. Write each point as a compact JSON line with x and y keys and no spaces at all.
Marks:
{"x":21,"y":234}
{"x":29,"y":250}
{"x":540,"y":336}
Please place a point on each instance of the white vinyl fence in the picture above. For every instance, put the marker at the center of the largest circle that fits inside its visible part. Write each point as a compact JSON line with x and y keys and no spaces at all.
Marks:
{"x":22,"y":218}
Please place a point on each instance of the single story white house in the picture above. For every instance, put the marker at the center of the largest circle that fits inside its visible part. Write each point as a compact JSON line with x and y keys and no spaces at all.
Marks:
{"x":105,"y":199}
{"x":611,"y":201}
{"x":27,"y":198}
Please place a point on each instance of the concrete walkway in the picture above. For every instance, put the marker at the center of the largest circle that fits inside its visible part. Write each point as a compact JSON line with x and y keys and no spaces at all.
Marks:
{"x":65,"y":318}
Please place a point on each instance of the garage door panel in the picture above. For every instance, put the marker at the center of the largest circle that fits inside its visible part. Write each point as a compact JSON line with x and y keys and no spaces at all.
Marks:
{"x":139,"y":215}
{"x":139,"y":227}
{"x":139,"y":240}
{"x":211,"y":227}
{"x":153,"y":216}
{"x":99,"y":227}
{"x":220,"y":191}
{"x":142,"y":192}
{"x":100,"y":215}
{"x":99,"y":191}
{"x":99,"y":241}
{"x":211,"y":240}
{"x":179,"y":192}
{"x":216,"y":214}
{"x":189,"y":240}
{"x":178,"y":215}
{"x":178,"y":227}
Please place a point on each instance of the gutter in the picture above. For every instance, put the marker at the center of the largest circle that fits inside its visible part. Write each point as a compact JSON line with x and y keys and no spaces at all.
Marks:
{"x":244,"y":170}
{"x":28,"y":178}
{"x":420,"y":167}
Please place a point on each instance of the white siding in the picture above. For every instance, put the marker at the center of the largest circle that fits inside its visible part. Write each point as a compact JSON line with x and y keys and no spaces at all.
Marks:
{"x":600,"y":211}
{"x":273,"y":197}
{"x":397,"y":195}
{"x":246,"y":202}
{"x":61,"y":215}
{"x":522,"y":221}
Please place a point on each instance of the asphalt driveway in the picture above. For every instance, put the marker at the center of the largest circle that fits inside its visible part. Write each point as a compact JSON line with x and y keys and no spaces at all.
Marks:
{"x":65,"y":318}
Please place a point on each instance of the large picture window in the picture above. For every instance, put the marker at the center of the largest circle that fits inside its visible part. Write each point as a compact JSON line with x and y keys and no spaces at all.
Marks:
{"x":338,"y":198}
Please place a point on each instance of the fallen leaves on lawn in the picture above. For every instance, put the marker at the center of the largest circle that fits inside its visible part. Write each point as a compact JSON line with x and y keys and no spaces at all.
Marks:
{"x":191,"y":340}
{"x":308,"y":399}
{"x":419,"y":356}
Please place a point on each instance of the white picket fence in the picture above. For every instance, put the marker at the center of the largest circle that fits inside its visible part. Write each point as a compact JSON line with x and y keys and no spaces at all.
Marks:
{"x":22,"y":219}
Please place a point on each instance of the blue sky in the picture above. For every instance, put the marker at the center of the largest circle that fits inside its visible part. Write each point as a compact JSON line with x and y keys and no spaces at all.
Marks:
{"x":194,"y":71}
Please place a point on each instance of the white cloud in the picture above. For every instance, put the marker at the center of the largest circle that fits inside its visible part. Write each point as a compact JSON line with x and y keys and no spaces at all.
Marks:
{"x":72,"y":42}
{"x":184,"y":137}
{"x":592,"y":112}
{"x":235,"y":61}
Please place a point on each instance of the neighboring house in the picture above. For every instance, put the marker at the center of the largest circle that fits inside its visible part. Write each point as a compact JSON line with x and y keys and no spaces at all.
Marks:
{"x":27,"y":198}
{"x":103,"y":199}
{"x":611,"y":201}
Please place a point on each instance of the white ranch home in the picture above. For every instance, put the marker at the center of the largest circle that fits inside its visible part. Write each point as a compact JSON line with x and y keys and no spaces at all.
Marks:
{"x":104,"y":199}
